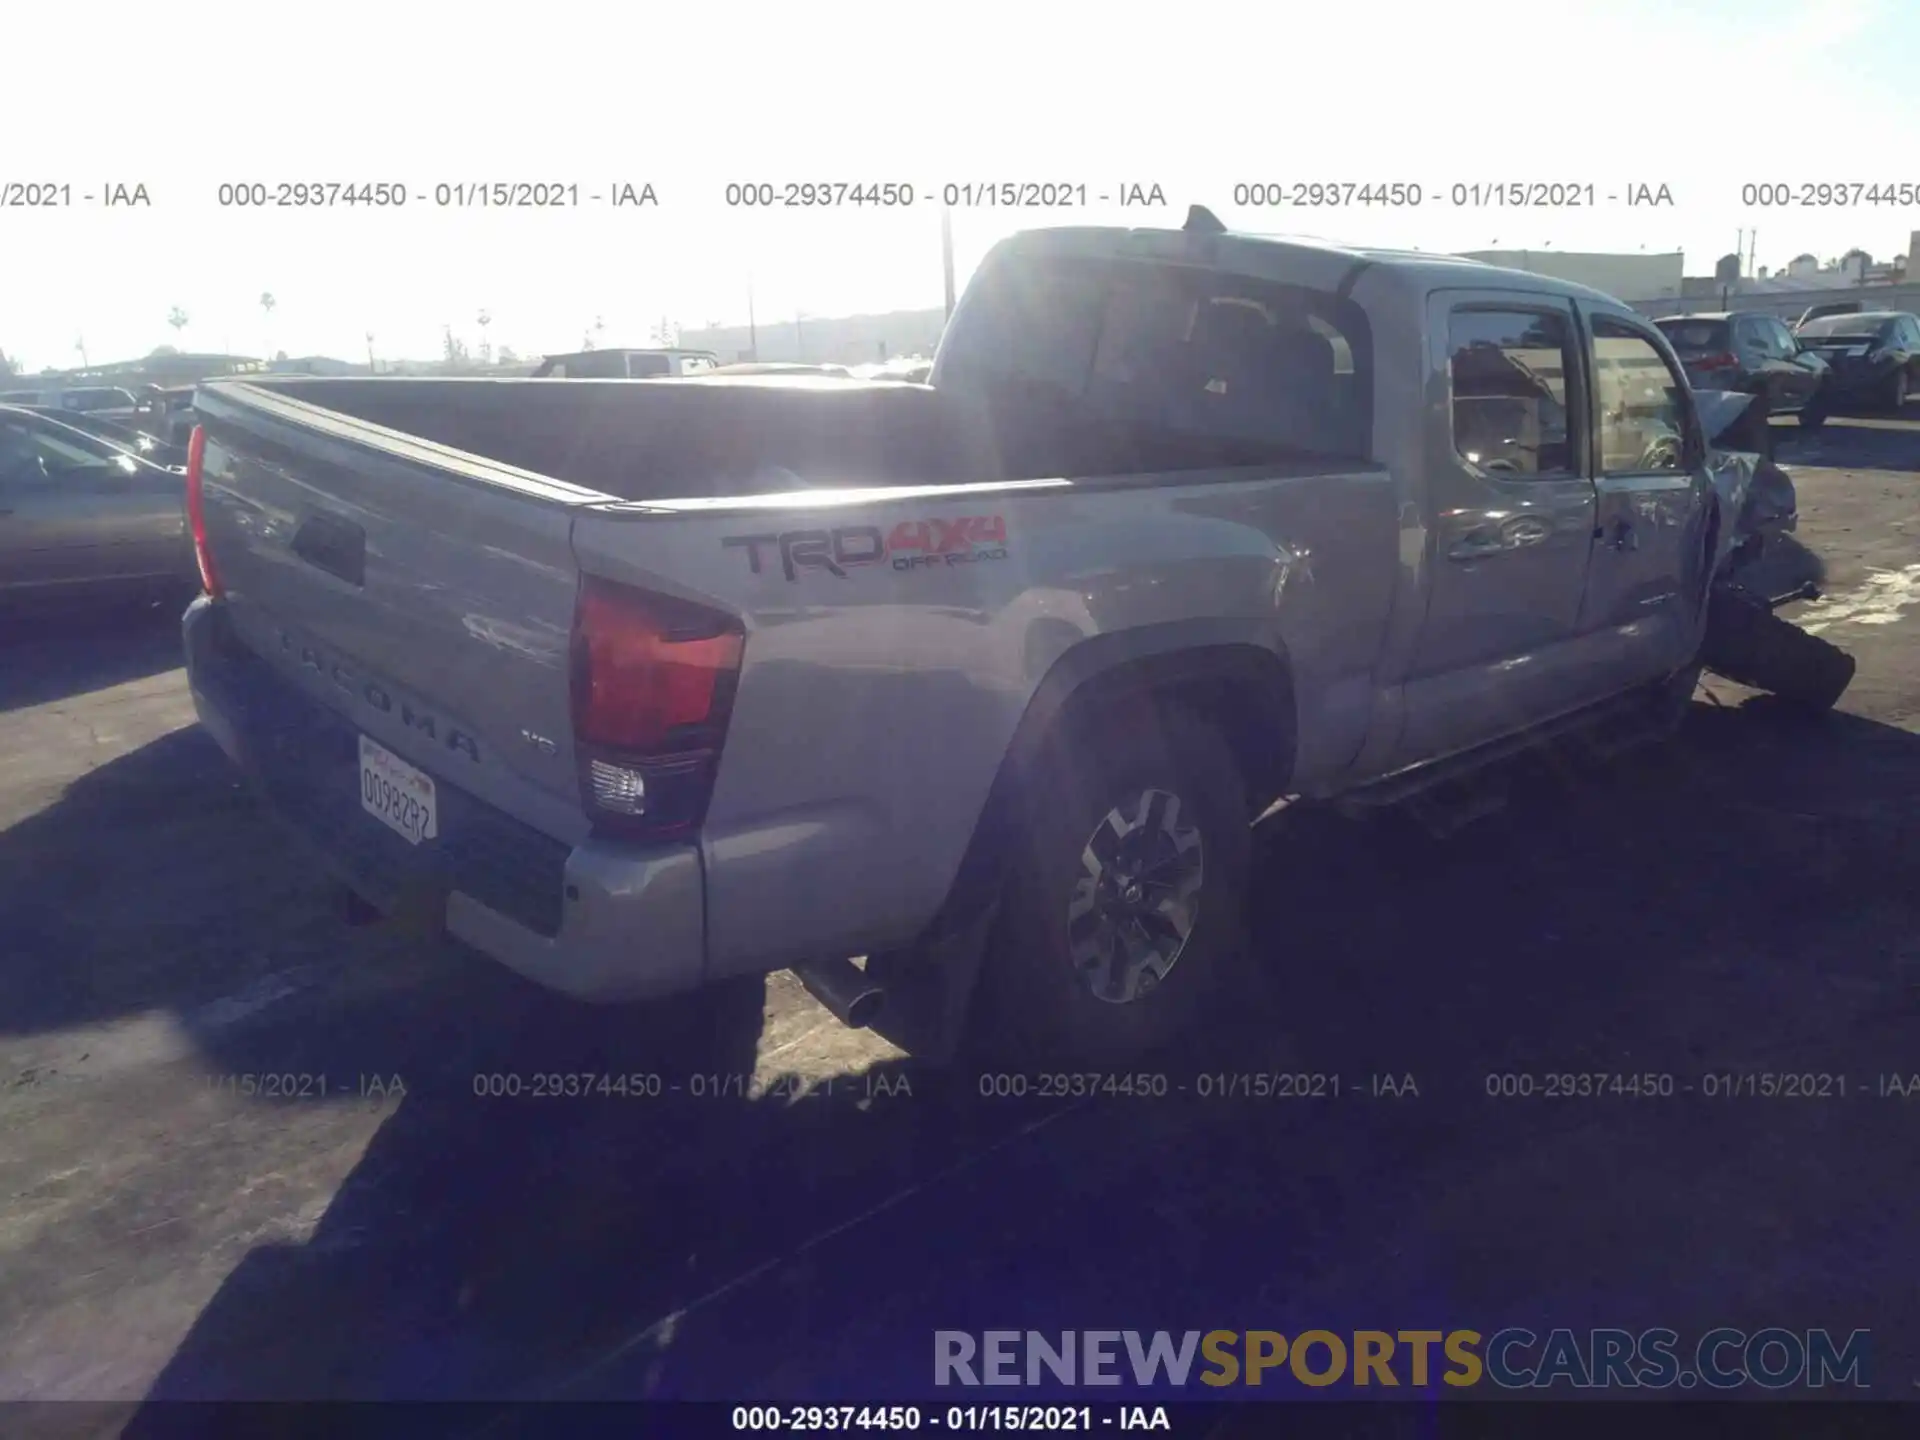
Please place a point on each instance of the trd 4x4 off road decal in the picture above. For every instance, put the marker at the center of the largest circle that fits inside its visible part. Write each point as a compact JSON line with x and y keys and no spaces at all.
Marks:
{"x":912,"y":545}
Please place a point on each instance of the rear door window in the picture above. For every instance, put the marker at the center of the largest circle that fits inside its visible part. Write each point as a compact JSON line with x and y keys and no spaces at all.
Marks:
{"x":1509,"y":373}
{"x":647,"y":367}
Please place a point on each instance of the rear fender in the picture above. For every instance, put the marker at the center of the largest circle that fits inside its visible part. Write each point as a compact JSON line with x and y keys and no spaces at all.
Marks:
{"x":1221,"y":669}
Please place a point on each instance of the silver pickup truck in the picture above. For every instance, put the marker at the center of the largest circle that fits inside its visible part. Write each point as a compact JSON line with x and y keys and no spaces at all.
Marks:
{"x":638,"y":685}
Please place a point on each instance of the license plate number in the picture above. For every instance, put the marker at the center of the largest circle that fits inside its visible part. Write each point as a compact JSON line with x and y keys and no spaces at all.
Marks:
{"x":398,"y":795}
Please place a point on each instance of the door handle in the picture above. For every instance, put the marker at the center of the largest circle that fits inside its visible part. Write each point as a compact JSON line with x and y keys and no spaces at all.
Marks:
{"x":1516,"y":533}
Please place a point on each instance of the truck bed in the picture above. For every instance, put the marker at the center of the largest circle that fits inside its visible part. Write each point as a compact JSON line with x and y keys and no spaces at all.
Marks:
{"x":653,"y":439}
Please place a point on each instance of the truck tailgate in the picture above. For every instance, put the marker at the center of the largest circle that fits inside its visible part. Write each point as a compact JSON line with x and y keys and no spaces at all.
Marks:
{"x":423,"y":594}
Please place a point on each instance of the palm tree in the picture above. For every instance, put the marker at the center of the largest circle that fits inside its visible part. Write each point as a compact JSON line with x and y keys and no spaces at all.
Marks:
{"x":372,"y":368}
{"x":486,"y":350}
{"x":81,"y":346}
{"x":177,"y":318}
{"x":267,"y":302}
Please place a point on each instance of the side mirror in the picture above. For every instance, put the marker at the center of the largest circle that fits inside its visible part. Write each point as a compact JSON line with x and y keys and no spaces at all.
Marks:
{"x":1730,"y":420}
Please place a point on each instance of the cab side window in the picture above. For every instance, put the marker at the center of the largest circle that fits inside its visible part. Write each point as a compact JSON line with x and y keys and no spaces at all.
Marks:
{"x":1641,"y":411}
{"x":1509,"y":371}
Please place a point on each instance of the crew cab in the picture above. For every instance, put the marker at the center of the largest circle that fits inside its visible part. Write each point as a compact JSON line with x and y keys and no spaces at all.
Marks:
{"x":638,"y":686}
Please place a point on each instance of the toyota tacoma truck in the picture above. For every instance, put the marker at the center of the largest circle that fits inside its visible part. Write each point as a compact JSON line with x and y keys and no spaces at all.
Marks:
{"x":639,"y":685}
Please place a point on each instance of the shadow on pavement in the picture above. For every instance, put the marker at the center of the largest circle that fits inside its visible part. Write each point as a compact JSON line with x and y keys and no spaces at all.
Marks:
{"x":48,"y":651}
{"x":1740,"y":899}
{"x":1862,"y":440}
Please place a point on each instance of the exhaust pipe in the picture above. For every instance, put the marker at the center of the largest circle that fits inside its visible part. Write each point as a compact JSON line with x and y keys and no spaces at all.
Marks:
{"x":843,"y":988}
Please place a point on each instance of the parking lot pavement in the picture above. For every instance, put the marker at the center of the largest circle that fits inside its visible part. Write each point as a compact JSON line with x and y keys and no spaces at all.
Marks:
{"x":1740,"y":903}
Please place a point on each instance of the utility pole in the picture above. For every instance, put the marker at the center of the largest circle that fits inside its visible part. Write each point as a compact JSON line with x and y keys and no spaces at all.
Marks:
{"x":946,"y":253}
{"x":753,"y":331}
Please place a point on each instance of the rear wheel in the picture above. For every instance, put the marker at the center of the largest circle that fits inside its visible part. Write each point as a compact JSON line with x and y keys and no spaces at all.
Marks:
{"x":1814,"y":414}
{"x":1124,"y":917}
{"x":1897,"y":390}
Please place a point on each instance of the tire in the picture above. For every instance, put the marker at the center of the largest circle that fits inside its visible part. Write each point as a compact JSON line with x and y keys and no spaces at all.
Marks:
{"x":1752,"y":646}
{"x":1814,"y":413}
{"x":1172,"y":780}
{"x":1897,"y":389}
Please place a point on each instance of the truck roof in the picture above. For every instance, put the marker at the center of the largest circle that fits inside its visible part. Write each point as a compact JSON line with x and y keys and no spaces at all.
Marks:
{"x":1324,"y":263}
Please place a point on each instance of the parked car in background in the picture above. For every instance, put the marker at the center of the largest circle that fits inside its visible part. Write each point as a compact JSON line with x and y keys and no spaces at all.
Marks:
{"x":782,"y":367}
{"x":1875,"y":355}
{"x":625,"y":364}
{"x":1828,"y":307}
{"x":77,"y":512}
{"x":1755,"y":353}
{"x":166,"y":414}
{"x":106,"y":400}
{"x":122,"y":435}
{"x":912,"y":369}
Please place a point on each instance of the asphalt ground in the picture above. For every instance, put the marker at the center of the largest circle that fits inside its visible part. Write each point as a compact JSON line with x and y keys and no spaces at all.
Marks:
{"x":1741,"y":903}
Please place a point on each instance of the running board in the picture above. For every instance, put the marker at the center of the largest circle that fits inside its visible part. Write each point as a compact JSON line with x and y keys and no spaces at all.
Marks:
{"x":1630,"y":711}
{"x":1442,"y":815}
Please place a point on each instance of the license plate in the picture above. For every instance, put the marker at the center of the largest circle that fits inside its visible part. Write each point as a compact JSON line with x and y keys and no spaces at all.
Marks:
{"x":398,"y":795}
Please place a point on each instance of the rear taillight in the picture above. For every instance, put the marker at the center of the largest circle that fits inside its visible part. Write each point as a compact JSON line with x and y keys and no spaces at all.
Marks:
{"x":653,"y":682}
{"x":1725,"y":360}
{"x":197,"y":510}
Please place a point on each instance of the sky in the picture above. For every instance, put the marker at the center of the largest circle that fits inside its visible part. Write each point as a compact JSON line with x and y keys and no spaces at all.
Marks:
{"x":1700,"y":96}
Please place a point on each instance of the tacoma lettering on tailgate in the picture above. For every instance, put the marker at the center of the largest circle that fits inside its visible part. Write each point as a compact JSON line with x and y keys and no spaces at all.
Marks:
{"x":370,"y":692}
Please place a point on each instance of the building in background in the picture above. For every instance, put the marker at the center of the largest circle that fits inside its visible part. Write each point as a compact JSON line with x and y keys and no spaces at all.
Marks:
{"x":839,"y":340}
{"x":1626,"y":277}
{"x":163,"y":367}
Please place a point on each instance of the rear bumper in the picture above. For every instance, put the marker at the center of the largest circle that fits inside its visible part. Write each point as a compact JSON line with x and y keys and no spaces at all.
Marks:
{"x":1856,"y":381}
{"x":598,"y":921}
